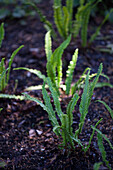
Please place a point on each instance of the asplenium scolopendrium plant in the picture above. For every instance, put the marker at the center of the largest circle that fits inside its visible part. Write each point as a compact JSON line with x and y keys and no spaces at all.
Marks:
{"x":66,"y":24}
{"x":5,"y":72}
{"x":54,"y":68}
{"x":63,"y":126}
{"x":54,"y":64}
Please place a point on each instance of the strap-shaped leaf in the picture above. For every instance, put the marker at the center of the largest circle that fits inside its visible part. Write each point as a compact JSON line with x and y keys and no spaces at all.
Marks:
{"x":48,"y":46}
{"x":64,"y":129}
{"x":50,"y":69}
{"x":66,"y":22}
{"x":99,"y":27}
{"x":55,"y":98}
{"x":83,"y":108}
{"x":2,"y":65}
{"x":107,"y":107}
{"x":71,"y":67}
{"x":85,"y":20}
{"x":103,"y":84}
{"x":43,"y":19}
{"x":34,"y":71}
{"x":18,"y":97}
{"x":11,"y":60}
{"x":48,"y":104}
{"x":98,"y":131}
{"x":91,"y":137}
{"x":56,"y":61}
{"x":3,"y":83}
{"x":78,"y":84}
{"x":57,"y":54}
{"x":1,"y":33}
{"x":58,"y":17}
{"x":69,"y":111}
{"x":93,"y":84}
{"x":51,"y":73}
{"x":97,"y":165}
{"x":102,"y":150}
{"x":72,"y":103}
{"x":69,"y":5}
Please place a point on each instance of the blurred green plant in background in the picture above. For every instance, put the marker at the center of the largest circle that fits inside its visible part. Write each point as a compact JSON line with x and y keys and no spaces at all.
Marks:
{"x":15,"y":9}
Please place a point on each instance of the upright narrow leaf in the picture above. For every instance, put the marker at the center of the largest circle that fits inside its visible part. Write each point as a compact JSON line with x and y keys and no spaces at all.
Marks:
{"x":69,"y":5}
{"x":69,"y":111}
{"x":102,"y":150}
{"x":69,"y":75}
{"x":56,"y":61}
{"x":93,"y":84}
{"x":66,"y":22}
{"x":48,"y":46}
{"x":55,"y":98}
{"x":1,"y":33}
{"x":11,"y":60}
{"x":107,"y":107}
{"x":48,"y":104}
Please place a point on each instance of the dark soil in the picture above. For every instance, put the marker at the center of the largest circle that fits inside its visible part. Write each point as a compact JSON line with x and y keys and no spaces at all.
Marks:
{"x":26,"y":137}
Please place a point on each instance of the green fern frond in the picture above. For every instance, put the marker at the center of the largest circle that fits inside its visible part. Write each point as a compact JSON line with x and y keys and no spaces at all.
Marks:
{"x":58,"y":17}
{"x":97,"y":166}
{"x":1,"y":33}
{"x":48,"y":104}
{"x":43,"y":19}
{"x":78,"y":21}
{"x":48,"y":46}
{"x":103,"y":84}
{"x":99,"y":132}
{"x":69,"y":6}
{"x":83,"y":108}
{"x":64,"y":129}
{"x":78,"y":84}
{"x":57,"y":54}
{"x":85,"y":20}
{"x":8,"y":96}
{"x":11,"y":60}
{"x":91,"y":137}
{"x":102,"y":149}
{"x":69,"y":75}
{"x":3,"y":83}
{"x":107,"y":107}
{"x":66,"y":22}
{"x":1,"y":109}
{"x":56,"y":62}
{"x":99,"y":27}
{"x":2,"y":75}
{"x":55,"y":98}
{"x":2,"y":65}
{"x":69,"y":111}
{"x":34,"y":71}
{"x":50,"y":69}
{"x":39,"y":87}
{"x":93,"y":84}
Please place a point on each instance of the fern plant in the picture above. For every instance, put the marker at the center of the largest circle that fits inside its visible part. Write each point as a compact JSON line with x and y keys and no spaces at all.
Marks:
{"x":54,"y":68}
{"x":5,"y":72}
{"x":64,"y":128}
{"x":66,"y":24}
